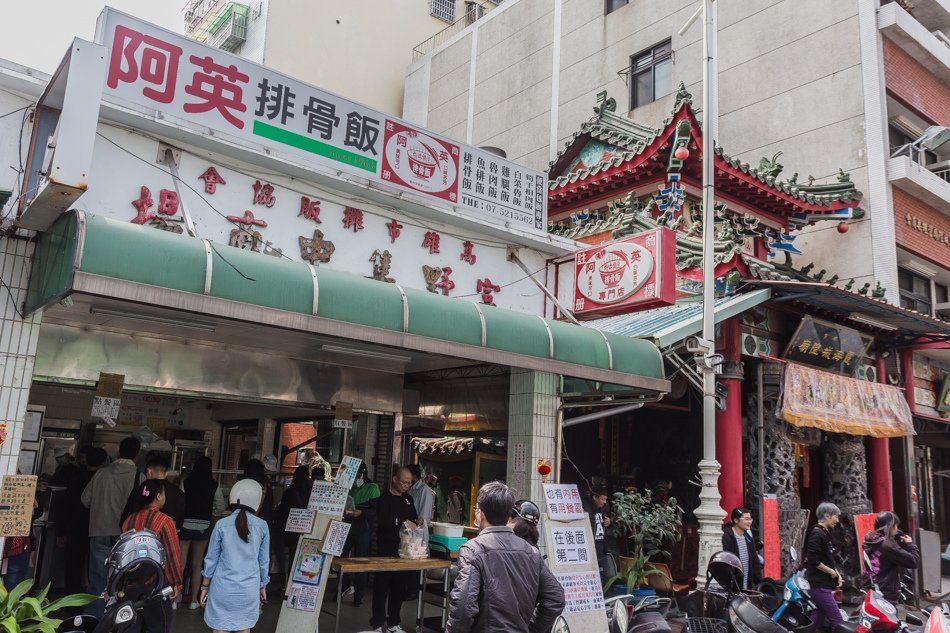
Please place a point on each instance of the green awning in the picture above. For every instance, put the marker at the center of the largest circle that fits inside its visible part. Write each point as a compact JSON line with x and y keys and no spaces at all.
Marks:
{"x":89,"y":254}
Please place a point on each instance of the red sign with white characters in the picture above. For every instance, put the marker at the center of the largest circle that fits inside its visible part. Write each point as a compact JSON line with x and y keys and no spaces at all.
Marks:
{"x":627,"y":275}
{"x":418,"y":161}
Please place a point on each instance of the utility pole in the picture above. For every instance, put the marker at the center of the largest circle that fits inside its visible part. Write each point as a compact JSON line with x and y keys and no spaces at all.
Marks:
{"x":709,"y":512}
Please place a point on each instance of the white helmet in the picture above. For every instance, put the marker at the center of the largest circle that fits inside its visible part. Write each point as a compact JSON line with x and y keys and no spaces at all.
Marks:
{"x":247,"y":493}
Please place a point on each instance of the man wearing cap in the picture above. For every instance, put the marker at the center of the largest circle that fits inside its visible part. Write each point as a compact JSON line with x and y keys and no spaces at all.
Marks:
{"x":599,"y":515}
{"x":503,"y":583}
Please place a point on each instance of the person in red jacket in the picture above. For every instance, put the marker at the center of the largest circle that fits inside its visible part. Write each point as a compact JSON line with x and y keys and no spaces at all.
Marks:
{"x":146,"y":513}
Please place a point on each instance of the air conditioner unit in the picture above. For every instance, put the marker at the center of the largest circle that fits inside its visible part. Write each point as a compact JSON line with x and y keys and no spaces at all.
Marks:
{"x":867,"y":372}
{"x":757,"y":346}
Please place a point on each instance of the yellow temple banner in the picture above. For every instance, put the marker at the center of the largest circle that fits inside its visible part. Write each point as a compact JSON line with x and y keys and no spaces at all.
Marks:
{"x":839,"y":404}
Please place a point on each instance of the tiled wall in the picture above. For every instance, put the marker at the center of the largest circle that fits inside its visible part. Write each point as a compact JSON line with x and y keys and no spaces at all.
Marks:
{"x":533,"y":419}
{"x":17,"y":345}
{"x":914,"y":86}
{"x":921,"y":229}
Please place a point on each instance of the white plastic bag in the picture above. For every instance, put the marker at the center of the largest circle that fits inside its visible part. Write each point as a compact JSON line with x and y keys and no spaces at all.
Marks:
{"x":413,"y":541}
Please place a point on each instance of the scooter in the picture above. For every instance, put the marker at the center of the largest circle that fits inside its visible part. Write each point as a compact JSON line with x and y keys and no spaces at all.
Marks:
{"x":877,"y":615}
{"x":648,"y":615}
{"x":794,"y":611}
{"x":135,"y":578}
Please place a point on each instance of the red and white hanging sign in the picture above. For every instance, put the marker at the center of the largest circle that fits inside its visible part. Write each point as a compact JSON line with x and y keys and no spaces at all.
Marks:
{"x":635,"y":273}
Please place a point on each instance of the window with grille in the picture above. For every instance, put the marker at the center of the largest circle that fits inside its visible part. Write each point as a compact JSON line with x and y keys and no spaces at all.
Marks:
{"x":612,"y":5}
{"x":915,"y":291}
{"x":443,"y":9}
{"x":651,"y":74}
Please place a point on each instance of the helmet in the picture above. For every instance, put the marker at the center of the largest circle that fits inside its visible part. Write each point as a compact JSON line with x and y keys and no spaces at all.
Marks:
{"x":247,"y":493}
{"x":136,"y":566}
{"x":527,"y":510}
{"x":726,"y":569}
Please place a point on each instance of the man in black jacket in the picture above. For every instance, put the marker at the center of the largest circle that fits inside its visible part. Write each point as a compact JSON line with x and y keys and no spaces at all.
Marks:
{"x":503,"y":585}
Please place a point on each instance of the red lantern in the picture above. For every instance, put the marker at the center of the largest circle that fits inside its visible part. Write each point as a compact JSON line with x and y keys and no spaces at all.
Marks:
{"x":544,"y":468}
{"x":681,"y":153}
{"x":843,"y":227}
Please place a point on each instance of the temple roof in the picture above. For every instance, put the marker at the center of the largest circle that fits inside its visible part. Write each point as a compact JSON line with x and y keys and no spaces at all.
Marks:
{"x":634,"y":155}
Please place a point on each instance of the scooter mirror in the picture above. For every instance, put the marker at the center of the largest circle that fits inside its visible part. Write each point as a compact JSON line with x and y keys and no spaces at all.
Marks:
{"x":560,"y":625}
{"x":793,"y":553}
{"x":913,"y":620}
{"x":620,"y":619}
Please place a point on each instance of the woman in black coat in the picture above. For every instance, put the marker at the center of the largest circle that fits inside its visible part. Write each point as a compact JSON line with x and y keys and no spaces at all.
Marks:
{"x":889,"y":551}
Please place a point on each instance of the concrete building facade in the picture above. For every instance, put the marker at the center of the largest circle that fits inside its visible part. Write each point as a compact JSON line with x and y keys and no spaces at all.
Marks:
{"x":356,"y":49}
{"x":825,"y":84}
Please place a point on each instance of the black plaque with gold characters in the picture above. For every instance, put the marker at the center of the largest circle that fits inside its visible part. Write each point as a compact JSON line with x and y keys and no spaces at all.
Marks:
{"x":828,"y":346}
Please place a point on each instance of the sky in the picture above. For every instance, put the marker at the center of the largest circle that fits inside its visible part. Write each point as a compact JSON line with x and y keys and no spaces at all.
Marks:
{"x":39,"y":31}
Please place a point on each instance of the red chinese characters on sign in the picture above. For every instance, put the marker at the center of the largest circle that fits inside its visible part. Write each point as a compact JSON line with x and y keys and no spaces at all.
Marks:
{"x":310,"y":209}
{"x":487,"y":290}
{"x":142,"y":205}
{"x":467,"y":255}
{"x":136,"y":56}
{"x":217,"y":88}
{"x":634,"y":273}
{"x":212,"y":179}
{"x":395,"y":228}
{"x":431,"y":241}
{"x":264,"y":194}
{"x":167,"y":202}
{"x":352,"y":219}
{"x":445,"y":284}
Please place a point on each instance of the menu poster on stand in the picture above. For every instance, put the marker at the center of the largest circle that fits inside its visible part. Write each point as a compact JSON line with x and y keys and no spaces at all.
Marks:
{"x":328,"y":498}
{"x":346,"y":473}
{"x":771,"y":537}
{"x":582,"y":591}
{"x":308,"y":566}
{"x":303,"y":597}
{"x":16,"y":504}
{"x":563,"y":502}
{"x":335,"y":539}
{"x":863,"y":523}
{"x":300,"y":521}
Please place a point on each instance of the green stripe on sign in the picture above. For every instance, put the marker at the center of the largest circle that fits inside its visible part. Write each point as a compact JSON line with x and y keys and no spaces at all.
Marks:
{"x":313,"y":146}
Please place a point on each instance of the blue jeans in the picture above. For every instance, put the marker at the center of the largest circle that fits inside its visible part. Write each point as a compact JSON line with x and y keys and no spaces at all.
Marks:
{"x":99,"y":549}
{"x":18,"y":568}
{"x":826,"y":609}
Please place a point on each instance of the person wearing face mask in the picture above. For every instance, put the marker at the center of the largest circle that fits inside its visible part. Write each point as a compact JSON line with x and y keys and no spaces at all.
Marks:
{"x":361,"y":519}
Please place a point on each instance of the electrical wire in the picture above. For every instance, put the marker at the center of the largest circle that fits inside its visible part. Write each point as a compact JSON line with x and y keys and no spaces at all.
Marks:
{"x":26,"y":107}
{"x":16,"y":308}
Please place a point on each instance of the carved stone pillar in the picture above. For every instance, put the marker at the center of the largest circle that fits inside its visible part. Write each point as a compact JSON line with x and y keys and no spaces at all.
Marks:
{"x":844,"y":471}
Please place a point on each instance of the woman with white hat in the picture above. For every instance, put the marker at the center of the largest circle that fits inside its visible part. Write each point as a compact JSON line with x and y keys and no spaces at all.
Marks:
{"x":235,"y":574}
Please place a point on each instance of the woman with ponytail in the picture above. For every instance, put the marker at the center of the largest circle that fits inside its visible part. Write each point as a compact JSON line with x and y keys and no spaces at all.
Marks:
{"x":144,"y":512}
{"x":235,"y":575}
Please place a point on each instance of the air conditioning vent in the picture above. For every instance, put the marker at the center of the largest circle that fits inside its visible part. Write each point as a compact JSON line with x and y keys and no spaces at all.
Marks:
{"x":757,"y":346}
{"x":867,"y":372}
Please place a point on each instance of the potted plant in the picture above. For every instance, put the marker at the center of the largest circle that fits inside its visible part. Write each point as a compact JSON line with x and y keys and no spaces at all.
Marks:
{"x":647,"y":526}
{"x":20,"y":613}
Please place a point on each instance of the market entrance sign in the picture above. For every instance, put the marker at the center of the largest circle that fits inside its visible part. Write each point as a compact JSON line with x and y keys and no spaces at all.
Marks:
{"x":180,"y":80}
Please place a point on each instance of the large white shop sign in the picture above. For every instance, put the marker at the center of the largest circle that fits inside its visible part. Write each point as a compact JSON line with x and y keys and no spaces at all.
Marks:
{"x":192,"y":84}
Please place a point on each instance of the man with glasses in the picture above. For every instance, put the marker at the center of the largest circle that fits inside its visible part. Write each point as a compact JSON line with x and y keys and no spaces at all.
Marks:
{"x":393,"y":508}
{"x":503,"y":583}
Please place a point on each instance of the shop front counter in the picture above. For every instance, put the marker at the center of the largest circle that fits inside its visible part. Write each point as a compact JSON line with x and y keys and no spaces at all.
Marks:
{"x":392,"y":564}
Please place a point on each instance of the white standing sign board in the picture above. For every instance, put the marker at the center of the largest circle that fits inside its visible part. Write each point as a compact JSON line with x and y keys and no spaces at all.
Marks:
{"x":572,"y":558}
{"x":563,"y":502}
{"x":169,"y":76}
